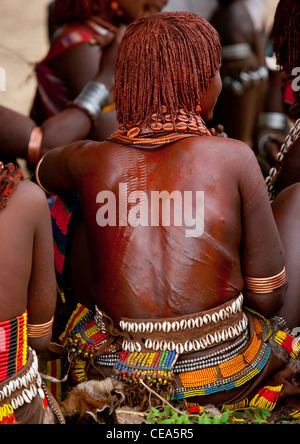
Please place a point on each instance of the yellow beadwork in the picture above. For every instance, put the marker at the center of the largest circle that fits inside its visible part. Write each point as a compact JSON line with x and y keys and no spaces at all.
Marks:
{"x":266,"y":398}
{"x":199,"y":377}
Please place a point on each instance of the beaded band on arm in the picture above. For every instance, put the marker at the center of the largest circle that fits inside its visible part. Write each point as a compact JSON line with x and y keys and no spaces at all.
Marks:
{"x":91,"y":100}
{"x":34,"y":146}
{"x":265,"y":285}
{"x":39,"y":330}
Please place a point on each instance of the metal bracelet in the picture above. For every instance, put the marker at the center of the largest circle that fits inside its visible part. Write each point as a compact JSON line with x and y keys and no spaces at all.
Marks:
{"x":273,"y":120}
{"x":92,"y":98}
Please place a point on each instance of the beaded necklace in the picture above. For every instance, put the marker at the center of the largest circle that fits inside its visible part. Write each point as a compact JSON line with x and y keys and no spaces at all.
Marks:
{"x":164,"y":129}
{"x":275,"y":171}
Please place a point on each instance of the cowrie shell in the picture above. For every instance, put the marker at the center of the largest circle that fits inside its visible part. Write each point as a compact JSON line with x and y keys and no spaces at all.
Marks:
{"x":179,"y":349}
{"x":196,"y":345}
{"x":20,"y":400}
{"x":222,"y":314}
{"x":166,"y":326}
{"x":215,"y":318}
{"x":149,"y":327}
{"x":142,"y":327}
{"x":229,"y":311}
{"x":33,"y":390}
{"x":12,"y":385}
{"x":171,"y":346}
{"x":27,"y":396}
{"x":175,"y":326}
{"x":234,"y":307}
{"x":163,"y":345}
{"x":203,"y":343}
{"x":218,"y":337}
{"x":231,"y":332}
{"x":183,"y":324}
{"x":14,"y":404}
{"x":237,"y":330}
{"x":191,"y":324}
{"x":41,"y":393}
{"x":188,"y":346}
{"x":210,"y":339}
{"x":224,"y":335}
{"x":148,"y":343}
{"x":138,"y":347}
{"x":155,"y":345}
{"x":157,"y":326}
{"x":206,"y":319}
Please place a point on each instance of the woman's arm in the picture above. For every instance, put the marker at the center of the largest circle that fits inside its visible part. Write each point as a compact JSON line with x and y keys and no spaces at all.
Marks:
{"x":262,"y":254}
{"x":42,"y":285}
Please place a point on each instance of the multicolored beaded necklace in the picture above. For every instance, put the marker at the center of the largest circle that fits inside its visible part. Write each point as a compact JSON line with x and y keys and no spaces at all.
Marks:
{"x":163,"y":129}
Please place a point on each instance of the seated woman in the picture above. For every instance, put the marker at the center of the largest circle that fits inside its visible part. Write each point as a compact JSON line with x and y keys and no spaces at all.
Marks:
{"x":28,"y":299}
{"x":178,"y":224}
{"x":83,"y":33}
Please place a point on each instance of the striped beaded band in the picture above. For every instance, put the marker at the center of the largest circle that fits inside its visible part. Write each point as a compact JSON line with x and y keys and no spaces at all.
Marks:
{"x":13,"y":346}
{"x":61,"y":216}
{"x":265,"y":285}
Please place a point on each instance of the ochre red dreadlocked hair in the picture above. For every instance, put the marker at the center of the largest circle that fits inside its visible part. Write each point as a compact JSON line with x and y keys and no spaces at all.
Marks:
{"x":167,"y":59}
{"x":287,"y":35}
{"x":78,"y":10}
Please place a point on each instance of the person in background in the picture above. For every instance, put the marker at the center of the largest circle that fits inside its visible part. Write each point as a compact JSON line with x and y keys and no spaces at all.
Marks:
{"x":81,"y":33}
{"x":28,"y":300}
{"x":241,"y":26}
{"x":204,"y":8}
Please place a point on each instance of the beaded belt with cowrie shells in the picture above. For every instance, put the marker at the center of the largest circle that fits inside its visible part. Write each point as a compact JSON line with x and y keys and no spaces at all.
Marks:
{"x":186,"y":334}
{"x":24,"y":386}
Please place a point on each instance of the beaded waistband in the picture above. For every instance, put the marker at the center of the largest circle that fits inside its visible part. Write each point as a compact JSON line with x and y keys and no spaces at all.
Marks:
{"x":186,"y":334}
{"x":227,"y":369}
{"x":13,"y":346}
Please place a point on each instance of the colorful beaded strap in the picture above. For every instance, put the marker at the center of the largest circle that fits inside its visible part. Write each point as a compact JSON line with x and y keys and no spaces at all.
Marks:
{"x":13,"y":346}
{"x":155,"y":369}
{"x":61,"y":216}
{"x":82,"y":339}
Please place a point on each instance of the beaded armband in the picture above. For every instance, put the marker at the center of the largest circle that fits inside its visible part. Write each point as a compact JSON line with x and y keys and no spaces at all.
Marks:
{"x":39,"y":330}
{"x":265,"y":285}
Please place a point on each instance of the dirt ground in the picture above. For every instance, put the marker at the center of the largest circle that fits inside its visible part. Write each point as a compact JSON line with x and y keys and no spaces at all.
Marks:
{"x":23,"y":41}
